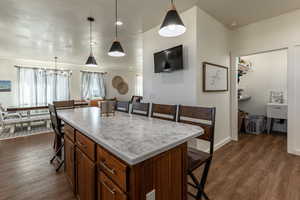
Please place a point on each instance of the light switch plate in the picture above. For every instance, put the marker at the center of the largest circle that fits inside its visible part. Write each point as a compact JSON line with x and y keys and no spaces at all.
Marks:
{"x":150,"y":195}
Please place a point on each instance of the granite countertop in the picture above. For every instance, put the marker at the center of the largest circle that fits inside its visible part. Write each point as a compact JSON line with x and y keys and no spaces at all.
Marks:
{"x":131,"y":138}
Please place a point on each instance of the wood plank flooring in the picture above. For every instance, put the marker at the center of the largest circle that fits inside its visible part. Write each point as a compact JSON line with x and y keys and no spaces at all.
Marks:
{"x":25,"y":172}
{"x":255,"y":168}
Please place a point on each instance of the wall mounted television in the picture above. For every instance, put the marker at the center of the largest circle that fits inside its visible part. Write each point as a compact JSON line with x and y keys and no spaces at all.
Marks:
{"x":169,"y":60}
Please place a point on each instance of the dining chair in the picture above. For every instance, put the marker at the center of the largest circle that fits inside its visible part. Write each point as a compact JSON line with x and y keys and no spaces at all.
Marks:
{"x":136,"y":99}
{"x":57,"y":128}
{"x":140,"y":109}
{"x":204,"y":117}
{"x":122,"y":106}
{"x":94,"y":102}
{"x":60,"y":105}
{"x":165,"y":112}
{"x":8,"y":115}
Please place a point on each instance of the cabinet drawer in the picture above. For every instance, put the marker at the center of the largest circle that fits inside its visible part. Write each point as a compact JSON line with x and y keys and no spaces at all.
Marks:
{"x":69,"y":132}
{"x":85,"y":145}
{"x":277,"y":111}
{"x":107,"y":190}
{"x":114,"y":168}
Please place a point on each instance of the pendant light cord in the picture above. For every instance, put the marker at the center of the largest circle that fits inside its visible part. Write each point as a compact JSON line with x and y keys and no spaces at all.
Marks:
{"x":55,"y":61}
{"x":91,"y":48}
{"x":116,"y":26}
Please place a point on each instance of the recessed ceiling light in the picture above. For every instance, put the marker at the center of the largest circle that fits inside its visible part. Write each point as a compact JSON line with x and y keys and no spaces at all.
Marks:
{"x":119,"y":23}
{"x":233,"y":24}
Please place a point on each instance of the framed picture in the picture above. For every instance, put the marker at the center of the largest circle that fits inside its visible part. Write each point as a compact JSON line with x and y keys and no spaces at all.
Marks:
{"x":5,"y":86}
{"x":215,"y":78}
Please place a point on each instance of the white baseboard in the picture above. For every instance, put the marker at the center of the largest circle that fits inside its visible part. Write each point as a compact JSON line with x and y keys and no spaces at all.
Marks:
{"x":297,"y":152}
{"x":222,"y":143}
{"x":204,"y":146}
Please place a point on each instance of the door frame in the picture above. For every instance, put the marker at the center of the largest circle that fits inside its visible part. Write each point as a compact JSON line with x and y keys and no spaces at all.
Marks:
{"x":291,"y":88}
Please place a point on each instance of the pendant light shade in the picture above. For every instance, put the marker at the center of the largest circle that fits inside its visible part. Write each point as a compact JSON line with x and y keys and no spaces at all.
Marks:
{"x":116,"y":49}
{"x":91,"y":61}
{"x":172,"y":25}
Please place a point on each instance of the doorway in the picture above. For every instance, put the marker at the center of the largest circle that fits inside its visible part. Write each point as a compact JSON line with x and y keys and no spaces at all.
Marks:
{"x":262,"y":93}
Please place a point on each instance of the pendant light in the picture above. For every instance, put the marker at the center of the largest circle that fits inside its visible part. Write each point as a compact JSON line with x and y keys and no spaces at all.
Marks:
{"x":91,"y":61}
{"x":57,"y":71}
{"x":116,"y":49}
{"x":172,"y":25}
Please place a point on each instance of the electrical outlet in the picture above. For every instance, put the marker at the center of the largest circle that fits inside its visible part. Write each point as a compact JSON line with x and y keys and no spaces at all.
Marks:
{"x":150,"y":195}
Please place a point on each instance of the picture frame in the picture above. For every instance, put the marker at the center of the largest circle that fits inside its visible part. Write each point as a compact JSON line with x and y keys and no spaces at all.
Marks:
{"x":215,"y":77}
{"x":5,"y":86}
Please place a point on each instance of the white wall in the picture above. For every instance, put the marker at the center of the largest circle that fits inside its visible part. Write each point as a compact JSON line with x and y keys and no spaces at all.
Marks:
{"x":9,"y":72}
{"x":213,"y":46}
{"x":128,"y":76}
{"x":177,"y":87}
{"x":269,"y":73}
{"x":275,"y":33}
{"x":205,"y":40}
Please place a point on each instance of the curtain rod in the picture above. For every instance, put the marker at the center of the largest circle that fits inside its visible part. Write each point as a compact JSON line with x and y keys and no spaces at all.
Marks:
{"x":94,"y":72}
{"x":43,"y":68}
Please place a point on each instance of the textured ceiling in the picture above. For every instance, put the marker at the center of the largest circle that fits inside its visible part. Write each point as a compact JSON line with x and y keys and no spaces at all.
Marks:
{"x":42,"y":29}
{"x":243,"y":12}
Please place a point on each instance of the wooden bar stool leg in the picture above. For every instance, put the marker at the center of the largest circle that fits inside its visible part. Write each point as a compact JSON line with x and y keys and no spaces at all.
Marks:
{"x":201,"y":192}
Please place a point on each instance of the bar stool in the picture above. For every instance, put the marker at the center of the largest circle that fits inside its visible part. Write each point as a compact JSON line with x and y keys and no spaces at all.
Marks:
{"x":57,"y":128}
{"x":204,"y":117}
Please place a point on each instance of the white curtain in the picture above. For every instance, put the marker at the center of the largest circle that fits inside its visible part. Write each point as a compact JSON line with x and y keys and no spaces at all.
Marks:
{"x":92,"y":85}
{"x":40,"y":86}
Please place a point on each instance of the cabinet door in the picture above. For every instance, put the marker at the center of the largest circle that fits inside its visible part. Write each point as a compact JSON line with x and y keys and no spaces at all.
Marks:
{"x":85,"y":177}
{"x":107,"y":190}
{"x":70,"y":162}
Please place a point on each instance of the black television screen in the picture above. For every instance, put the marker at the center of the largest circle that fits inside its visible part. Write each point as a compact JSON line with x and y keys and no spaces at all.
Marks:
{"x":168,"y":60}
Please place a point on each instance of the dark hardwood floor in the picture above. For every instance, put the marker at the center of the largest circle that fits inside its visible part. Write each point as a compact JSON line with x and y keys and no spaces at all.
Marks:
{"x":255,"y":168}
{"x":25,"y":172}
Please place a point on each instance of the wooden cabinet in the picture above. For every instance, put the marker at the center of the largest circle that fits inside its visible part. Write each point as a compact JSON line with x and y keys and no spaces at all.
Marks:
{"x":112,"y":167}
{"x":116,"y":180}
{"x":86,"y":145}
{"x":107,"y":190}
{"x":70,"y":162}
{"x":69,"y":132}
{"x":85,"y":176}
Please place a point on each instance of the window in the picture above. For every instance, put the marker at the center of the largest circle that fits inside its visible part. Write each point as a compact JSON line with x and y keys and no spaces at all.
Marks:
{"x":139,"y":85}
{"x":92,"y":85}
{"x":40,"y":86}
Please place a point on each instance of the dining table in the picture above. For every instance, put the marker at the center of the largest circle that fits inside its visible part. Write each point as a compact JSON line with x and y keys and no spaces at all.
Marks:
{"x":30,"y":107}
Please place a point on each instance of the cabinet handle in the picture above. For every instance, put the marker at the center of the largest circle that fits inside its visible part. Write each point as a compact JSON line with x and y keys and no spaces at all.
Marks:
{"x":112,"y":171}
{"x":109,"y":189}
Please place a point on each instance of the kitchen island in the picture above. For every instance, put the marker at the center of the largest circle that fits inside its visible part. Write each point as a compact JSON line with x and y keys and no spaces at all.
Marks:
{"x":125,"y":156}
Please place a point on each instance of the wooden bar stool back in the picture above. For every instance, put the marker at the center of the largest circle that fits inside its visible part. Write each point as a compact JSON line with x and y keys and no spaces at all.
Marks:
{"x":204,"y":117}
{"x":140,"y":109}
{"x":60,"y":105}
{"x":59,"y":135}
{"x":122,"y":106}
{"x":165,"y":112}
